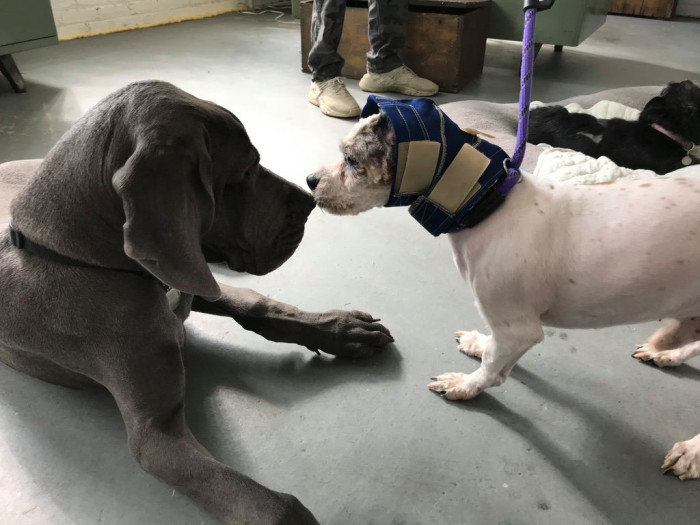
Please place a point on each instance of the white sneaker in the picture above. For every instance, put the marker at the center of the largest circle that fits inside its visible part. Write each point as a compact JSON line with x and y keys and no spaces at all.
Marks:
{"x":333,"y":98}
{"x":399,"y":80}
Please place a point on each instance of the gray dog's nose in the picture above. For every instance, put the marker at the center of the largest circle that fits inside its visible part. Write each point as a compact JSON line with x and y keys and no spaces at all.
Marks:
{"x":312,"y":181}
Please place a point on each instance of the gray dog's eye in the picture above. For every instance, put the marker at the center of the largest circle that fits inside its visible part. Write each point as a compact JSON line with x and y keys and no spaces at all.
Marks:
{"x":350,"y":160}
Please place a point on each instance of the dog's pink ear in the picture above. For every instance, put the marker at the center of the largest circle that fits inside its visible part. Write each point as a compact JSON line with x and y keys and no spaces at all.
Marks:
{"x":384,"y":130}
{"x":167,"y":196}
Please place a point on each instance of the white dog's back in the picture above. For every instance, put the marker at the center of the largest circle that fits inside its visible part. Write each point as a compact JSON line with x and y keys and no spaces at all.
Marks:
{"x":635,"y":247}
{"x":591,"y":256}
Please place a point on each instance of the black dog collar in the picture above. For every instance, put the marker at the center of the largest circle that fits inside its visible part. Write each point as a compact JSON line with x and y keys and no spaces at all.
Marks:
{"x":21,"y":242}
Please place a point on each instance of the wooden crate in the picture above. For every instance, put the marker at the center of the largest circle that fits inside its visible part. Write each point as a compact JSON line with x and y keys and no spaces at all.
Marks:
{"x":655,"y":8}
{"x":445,"y":40}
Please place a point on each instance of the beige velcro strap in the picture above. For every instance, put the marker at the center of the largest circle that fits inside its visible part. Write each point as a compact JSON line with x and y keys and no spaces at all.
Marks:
{"x":416,"y":165}
{"x":460,"y":181}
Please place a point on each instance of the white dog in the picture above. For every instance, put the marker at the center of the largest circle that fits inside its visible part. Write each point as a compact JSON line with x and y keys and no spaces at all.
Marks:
{"x":536,"y":261}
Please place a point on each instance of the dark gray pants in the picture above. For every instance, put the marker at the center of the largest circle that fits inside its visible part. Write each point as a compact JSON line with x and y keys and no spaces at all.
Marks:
{"x":387,"y":34}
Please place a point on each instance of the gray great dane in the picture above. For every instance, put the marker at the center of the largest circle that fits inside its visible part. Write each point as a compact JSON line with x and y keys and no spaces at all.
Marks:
{"x":107,"y":255}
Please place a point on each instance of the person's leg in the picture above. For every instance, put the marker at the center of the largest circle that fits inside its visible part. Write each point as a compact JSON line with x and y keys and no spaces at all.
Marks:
{"x":326,"y":29}
{"x":387,"y":35}
{"x":327,"y":89}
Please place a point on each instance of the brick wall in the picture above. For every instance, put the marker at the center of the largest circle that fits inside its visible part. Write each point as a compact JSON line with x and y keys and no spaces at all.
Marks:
{"x":77,"y":18}
{"x":688,"y":8}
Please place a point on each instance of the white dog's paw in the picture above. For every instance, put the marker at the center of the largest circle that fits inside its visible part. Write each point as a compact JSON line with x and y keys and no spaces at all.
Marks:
{"x":455,"y":386}
{"x":662,"y":358}
{"x":472,"y":343}
{"x":684,"y":459}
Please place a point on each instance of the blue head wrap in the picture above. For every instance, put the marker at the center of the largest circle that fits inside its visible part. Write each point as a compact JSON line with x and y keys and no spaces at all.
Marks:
{"x":439,"y":144}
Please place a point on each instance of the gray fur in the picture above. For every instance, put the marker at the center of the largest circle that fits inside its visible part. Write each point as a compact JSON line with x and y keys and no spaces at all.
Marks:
{"x":155,"y":178}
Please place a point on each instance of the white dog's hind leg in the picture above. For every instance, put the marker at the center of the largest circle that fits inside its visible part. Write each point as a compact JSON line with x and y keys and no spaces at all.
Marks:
{"x":665,"y":358}
{"x":684,"y":459}
{"x":499,"y":354}
{"x":668,"y":336}
{"x":672,"y":344}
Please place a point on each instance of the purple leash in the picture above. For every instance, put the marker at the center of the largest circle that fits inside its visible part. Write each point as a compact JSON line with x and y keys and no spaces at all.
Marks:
{"x":526,"y":67}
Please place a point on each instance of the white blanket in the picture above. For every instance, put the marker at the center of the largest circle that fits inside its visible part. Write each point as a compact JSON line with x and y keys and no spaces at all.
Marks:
{"x":560,"y":164}
{"x":602,"y":109}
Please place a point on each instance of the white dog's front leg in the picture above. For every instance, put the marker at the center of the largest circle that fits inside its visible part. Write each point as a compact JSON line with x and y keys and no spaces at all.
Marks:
{"x":499,"y":353}
{"x":684,"y":459}
{"x":472,"y":343}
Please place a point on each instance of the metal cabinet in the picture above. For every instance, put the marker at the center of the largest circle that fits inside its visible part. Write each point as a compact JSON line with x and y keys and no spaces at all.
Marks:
{"x":24,"y":24}
{"x":567,"y":23}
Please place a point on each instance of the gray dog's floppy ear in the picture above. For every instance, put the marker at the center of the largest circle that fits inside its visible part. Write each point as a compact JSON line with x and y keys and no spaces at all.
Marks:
{"x":166,"y":191}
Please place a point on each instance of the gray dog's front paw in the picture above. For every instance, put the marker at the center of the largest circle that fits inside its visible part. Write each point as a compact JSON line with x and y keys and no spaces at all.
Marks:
{"x":349,"y":334}
{"x":288,"y":510}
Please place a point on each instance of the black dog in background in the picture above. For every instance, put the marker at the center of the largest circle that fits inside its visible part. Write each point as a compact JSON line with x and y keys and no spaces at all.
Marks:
{"x":661,"y":140}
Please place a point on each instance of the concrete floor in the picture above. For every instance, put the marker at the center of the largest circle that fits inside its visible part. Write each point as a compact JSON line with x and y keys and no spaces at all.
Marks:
{"x":576,"y":436}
